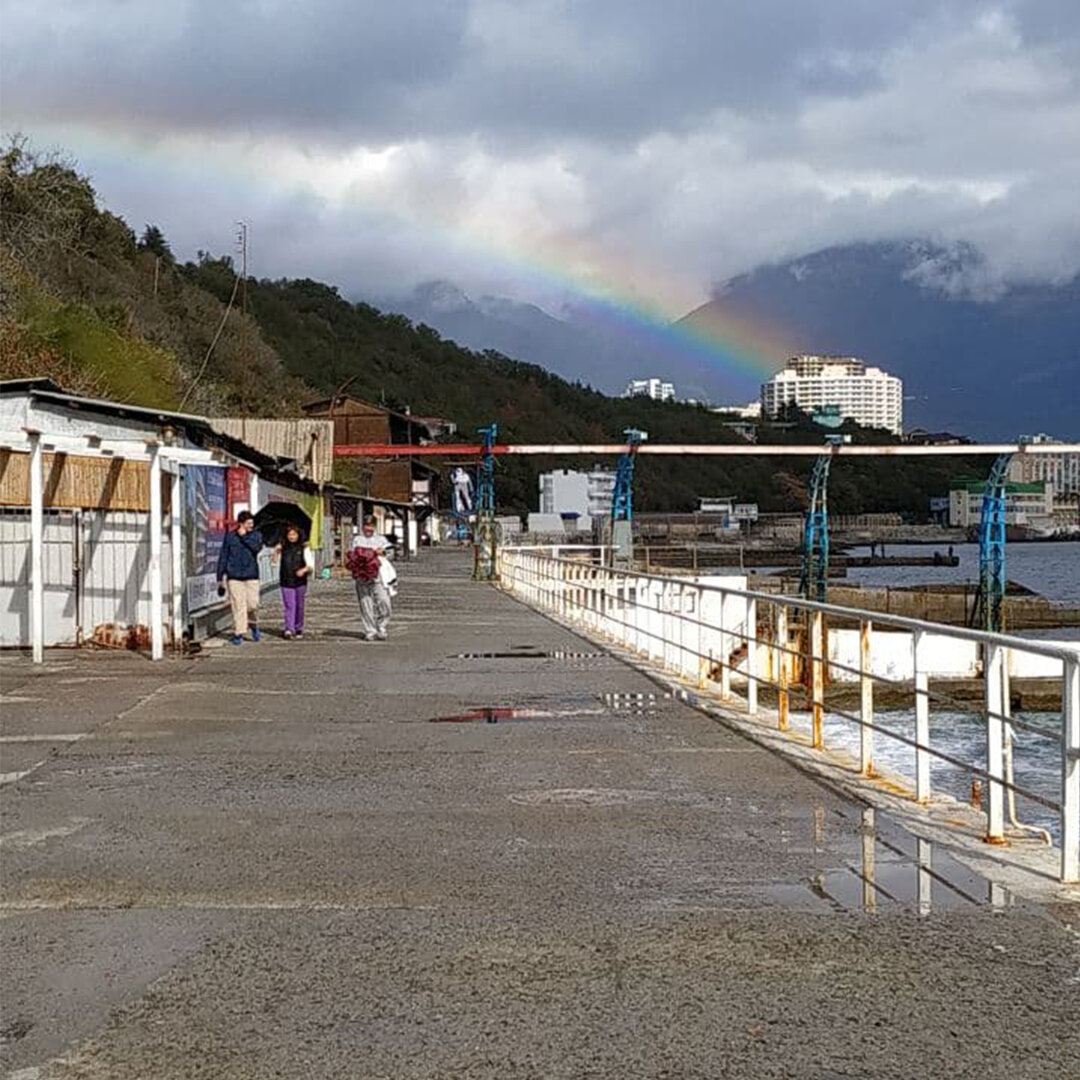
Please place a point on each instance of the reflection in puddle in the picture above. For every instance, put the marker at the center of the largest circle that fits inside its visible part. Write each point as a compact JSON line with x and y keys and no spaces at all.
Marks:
{"x":588,"y":705}
{"x":899,"y":871}
{"x":529,"y":654}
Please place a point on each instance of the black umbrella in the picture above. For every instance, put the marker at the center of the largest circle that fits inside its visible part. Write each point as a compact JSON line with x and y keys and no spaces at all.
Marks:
{"x":274,"y":519}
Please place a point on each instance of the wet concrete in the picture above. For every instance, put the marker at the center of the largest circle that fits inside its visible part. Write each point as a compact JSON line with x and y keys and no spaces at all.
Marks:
{"x":266,"y":861}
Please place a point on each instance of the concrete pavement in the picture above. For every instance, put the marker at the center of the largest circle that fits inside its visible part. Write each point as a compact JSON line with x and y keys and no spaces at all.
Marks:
{"x":330,"y":858}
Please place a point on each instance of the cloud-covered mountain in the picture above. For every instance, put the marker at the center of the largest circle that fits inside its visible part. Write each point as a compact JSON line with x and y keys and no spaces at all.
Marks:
{"x":975,"y":357}
{"x":570,"y":347}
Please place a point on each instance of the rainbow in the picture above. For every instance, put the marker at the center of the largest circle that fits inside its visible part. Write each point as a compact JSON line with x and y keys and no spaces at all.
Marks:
{"x":710,"y":338}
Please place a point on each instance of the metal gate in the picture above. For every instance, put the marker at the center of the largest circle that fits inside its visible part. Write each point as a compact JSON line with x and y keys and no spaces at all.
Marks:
{"x":60,"y":559}
{"x":97,"y":577}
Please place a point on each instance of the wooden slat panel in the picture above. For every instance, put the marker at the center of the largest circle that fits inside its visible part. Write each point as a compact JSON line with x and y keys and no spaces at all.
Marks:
{"x":77,"y":482}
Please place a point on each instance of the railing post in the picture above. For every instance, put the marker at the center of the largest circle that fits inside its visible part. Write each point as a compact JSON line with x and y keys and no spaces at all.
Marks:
{"x":817,"y":677}
{"x":922,"y":716}
{"x":866,"y":698}
{"x":1070,"y":772}
{"x":784,"y":668}
{"x":995,"y":745}
{"x":702,"y":660}
{"x":725,"y":651}
{"x":751,"y":656}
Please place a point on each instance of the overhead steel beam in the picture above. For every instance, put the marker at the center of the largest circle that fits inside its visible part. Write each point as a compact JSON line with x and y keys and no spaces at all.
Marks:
{"x":380,"y":450}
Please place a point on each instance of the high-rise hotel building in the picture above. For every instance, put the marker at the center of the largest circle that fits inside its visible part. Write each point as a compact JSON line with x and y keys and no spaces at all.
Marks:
{"x":867,"y":395}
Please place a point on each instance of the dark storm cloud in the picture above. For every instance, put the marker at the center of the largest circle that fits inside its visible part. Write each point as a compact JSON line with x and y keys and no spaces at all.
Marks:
{"x":375,"y":72}
{"x":688,"y":140}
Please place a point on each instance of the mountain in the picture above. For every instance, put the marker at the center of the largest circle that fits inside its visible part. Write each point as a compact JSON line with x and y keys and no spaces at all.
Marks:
{"x":576,"y":345}
{"x":988,"y":361}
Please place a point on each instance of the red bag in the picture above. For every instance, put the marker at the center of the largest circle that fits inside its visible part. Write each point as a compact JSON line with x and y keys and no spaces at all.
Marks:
{"x":363,"y":563}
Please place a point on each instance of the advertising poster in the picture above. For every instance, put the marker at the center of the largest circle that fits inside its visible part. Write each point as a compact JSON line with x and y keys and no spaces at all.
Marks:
{"x":206,"y":518}
{"x":237,"y":491}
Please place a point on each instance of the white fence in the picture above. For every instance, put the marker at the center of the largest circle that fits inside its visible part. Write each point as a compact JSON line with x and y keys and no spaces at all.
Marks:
{"x":96,"y":581}
{"x":723,"y":636}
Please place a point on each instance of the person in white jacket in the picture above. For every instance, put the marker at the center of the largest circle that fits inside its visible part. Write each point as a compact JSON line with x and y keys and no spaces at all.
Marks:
{"x":372,"y":592}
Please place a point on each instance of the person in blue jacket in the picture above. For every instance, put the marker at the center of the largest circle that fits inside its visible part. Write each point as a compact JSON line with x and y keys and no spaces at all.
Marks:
{"x":238,"y":564}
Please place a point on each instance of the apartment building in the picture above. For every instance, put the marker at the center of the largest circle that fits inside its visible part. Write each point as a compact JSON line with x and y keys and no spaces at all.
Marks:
{"x":869,"y":396}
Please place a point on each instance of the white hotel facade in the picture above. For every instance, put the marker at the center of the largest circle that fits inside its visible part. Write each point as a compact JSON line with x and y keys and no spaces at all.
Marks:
{"x":869,"y":396}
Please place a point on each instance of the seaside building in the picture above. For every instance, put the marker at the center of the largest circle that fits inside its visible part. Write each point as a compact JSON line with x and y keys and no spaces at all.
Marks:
{"x":1060,"y":471}
{"x":869,"y":396}
{"x":750,"y":411}
{"x":1025,"y":503}
{"x":653,"y":388}
{"x":569,"y":494}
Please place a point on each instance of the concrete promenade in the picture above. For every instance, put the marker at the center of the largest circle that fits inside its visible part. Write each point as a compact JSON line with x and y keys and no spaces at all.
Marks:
{"x":329,"y":858}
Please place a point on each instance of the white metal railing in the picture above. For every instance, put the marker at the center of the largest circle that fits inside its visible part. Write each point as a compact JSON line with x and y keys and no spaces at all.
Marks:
{"x":723,"y":637}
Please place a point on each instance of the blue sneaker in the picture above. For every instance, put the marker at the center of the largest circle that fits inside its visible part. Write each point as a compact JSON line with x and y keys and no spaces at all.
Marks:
{"x":236,"y":639}
{"x":255,"y":635}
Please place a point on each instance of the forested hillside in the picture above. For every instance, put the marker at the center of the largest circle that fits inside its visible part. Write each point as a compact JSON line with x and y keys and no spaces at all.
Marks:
{"x":103,"y":311}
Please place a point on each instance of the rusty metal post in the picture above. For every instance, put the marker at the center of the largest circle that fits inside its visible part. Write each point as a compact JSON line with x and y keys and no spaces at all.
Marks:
{"x":866,"y":698}
{"x":817,"y":677}
{"x":783,"y":669}
{"x":725,"y":649}
{"x":751,"y":656}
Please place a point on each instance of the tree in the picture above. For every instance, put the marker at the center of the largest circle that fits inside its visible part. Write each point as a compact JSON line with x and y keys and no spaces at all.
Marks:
{"x":153,"y":240}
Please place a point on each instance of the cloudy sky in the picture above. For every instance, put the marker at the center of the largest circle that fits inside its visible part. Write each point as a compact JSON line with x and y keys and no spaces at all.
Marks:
{"x":538,"y":148}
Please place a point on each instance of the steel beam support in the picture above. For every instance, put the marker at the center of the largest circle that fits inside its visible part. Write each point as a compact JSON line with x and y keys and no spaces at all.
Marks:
{"x":991,"y":599}
{"x":177,"y":555}
{"x":813,"y":582}
{"x":157,"y":642}
{"x":37,"y":551}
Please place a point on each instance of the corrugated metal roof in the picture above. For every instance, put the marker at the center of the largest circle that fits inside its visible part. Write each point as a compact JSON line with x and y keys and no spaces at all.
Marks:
{"x":310,"y":443}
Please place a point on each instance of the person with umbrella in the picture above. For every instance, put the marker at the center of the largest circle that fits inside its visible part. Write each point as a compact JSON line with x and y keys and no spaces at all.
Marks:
{"x":297,"y":563}
{"x":286,"y":527}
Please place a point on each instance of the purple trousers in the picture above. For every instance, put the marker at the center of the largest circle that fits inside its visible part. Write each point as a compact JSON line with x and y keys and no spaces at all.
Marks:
{"x":292,"y":599}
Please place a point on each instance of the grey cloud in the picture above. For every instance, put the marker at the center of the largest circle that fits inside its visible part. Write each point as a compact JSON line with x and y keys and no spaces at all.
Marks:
{"x":357,"y":72}
{"x":702,"y":137}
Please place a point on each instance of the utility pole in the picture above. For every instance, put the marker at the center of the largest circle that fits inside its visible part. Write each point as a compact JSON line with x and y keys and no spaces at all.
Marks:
{"x":242,"y":241}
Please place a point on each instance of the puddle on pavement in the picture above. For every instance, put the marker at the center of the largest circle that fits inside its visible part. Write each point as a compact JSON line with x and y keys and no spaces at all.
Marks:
{"x":589,"y":705}
{"x":896,"y":871}
{"x":529,"y":654}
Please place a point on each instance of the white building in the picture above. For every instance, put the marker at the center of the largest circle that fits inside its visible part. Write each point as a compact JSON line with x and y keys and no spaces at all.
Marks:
{"x":1060,"y":471}
{"x":1025,"y":503}
{"x":112,"y":518}
{"x":750,"y":411}
{"x":653,"y":388}
{"x":568,"y":492}
{"x":867,"y":395}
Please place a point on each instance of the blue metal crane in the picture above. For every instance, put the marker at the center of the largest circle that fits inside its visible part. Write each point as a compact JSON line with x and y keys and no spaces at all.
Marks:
{"x":815,"y":559}
{"x":990,"y":599}
{"x":484,"y":535}
{"x":622,"y":499}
